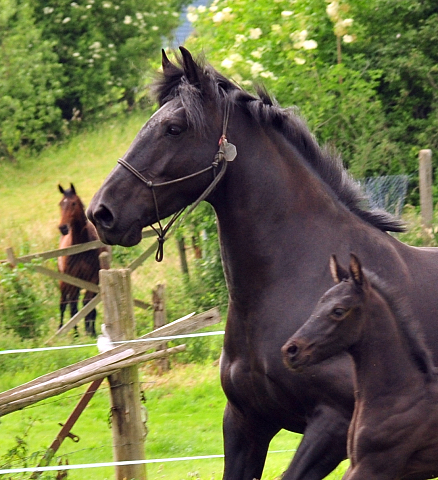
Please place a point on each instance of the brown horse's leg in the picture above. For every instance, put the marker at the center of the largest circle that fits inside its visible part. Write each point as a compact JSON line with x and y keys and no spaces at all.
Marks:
{"x":322,"y":447}
{"x":90,"y":318}
{"x":63,"y":302}
{"x":246,"y":442}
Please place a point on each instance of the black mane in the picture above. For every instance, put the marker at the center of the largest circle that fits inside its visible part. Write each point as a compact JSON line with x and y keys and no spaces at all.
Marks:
{"x":267,"y":112}
{"x":408,"y":325}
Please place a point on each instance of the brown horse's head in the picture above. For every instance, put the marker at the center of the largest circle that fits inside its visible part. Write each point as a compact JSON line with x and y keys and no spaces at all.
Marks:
{"x":72,"y":209}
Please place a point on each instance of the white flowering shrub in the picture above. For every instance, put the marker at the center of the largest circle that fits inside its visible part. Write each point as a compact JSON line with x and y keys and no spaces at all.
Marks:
{"x":301,"y":51}
{"x":104,"y":46}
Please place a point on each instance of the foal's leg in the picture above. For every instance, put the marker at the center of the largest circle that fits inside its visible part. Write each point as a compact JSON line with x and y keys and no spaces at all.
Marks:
{"x":246,"y":442}
{"x":323,"y":446}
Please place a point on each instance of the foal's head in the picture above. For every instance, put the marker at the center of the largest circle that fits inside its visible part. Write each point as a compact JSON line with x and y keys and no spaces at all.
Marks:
{"x":72,"y":209}
{"x":336,"y":321}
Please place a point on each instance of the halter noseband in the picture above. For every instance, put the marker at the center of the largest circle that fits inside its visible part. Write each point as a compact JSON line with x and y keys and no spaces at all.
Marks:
{"x":226,"y":153}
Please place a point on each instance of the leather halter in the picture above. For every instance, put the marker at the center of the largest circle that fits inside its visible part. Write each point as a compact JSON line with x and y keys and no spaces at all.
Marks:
{"x":222,"y":157}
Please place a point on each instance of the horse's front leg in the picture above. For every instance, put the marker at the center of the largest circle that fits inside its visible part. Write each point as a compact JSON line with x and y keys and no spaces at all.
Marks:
{"x":246,"y":442}
{"x":90,"y":318}
{"x":323,"y":446}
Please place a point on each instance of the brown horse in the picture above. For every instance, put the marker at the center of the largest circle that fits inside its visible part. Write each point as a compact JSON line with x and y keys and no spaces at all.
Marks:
{"x":76,"y":229}
{"x":283,"y":206}
{"x":394,"y":431}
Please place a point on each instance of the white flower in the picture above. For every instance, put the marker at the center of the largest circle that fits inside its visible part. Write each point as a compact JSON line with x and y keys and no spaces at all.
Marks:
{"x":276,"y":28}
{"x":286,"y":13}
{"x":218,"y":17}
{"x":255,"y":33}
{"x":213,"y":8}
{"x":76,"y":54}
{"x":332,"y":9}
{"x":106,"y":4}
{"x":127,"y":20}
{"x":139,"y":15}
{"x":227,"y":63}
{"x":192,"y":17}
{"x":240,"y":38}
{"x":47,"y":10}
{"x":155,"y":28}
{"x":256,"y":68}
{"x":348,"y":22}
{"x":348,"y":38}
{"x":202,"y":9}
{"x":268,"y":75}
{"x":299,"y":60}
{"x":95,"y":45}
{"x":256,"y":53}
{"x":66,"y":20}
{"x":309,"y":45}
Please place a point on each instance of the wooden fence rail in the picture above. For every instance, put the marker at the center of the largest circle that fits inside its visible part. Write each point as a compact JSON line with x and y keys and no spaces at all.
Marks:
{"x":101,"y":365}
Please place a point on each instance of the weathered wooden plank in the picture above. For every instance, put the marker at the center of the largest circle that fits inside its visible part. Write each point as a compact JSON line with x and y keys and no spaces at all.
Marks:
{"x":22,"y":402}
{"x":60,"y":252}
{"x":178,"y":327}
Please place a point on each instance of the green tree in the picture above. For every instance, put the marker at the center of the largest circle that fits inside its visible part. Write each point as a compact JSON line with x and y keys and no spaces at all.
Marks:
{"x":301,"y":52}
{"x":104,"y":47}
{"x":30,"y":81}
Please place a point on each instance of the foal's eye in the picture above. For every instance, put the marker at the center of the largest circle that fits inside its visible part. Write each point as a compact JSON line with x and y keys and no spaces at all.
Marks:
{"x":174,"y":130}
{"x":338,"y":313}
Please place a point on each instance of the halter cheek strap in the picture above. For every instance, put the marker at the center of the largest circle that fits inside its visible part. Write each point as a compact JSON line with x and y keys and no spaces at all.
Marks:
{"x":226,"y":153}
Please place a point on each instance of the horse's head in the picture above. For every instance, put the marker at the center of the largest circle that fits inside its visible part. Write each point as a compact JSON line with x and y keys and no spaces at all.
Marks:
{"x":335,"y":323}
{"x":171,"y":162}
{"x":71,"y":208}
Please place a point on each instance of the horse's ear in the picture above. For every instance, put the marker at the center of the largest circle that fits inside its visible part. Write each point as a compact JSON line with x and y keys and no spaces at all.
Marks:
{"x":169,"y":69}
{"x":338,"y":272}
{"x":356,"y":271}
{"x":72,"y":188}
{"x":60,"y":188}
{"x":191,"y":70}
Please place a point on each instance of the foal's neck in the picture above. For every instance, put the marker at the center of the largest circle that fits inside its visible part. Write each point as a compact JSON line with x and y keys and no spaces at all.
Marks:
{"x":384,"y":364}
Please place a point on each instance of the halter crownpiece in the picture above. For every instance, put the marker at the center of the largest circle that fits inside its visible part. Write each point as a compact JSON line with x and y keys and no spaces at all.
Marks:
{"x":227,"y":152}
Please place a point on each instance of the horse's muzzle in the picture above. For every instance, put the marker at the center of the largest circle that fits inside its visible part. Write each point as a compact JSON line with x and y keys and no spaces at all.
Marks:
{"x":63,"y":229}
{"x":293,"y":355}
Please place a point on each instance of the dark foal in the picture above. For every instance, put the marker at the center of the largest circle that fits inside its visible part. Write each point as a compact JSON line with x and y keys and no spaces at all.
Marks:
{"x":394,"y":430}
{"x":76,"y":229}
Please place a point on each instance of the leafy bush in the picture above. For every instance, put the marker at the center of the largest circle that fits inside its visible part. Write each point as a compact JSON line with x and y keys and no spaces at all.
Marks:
{"x":21,"y":304}
{"x":30,"y":85}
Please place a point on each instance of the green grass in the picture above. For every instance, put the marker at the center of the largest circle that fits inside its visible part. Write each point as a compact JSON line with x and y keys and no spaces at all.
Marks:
{"x":185,"y":408}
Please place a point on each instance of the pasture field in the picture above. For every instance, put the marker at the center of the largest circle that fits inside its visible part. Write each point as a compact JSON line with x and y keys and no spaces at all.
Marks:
{"x":185,"y":406}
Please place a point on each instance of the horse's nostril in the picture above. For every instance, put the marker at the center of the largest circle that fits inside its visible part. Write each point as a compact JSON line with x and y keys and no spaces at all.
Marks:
{"x":292,"y":350}
{"x":103,"y":216}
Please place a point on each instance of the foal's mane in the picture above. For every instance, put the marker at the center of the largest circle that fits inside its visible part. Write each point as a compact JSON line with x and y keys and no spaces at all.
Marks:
{"x":407,"y":324}
{"x":267,"y":112}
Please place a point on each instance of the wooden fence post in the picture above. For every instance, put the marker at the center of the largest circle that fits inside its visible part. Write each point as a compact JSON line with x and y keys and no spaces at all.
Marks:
{"x":159,"y":304}
{"x":128,"y":429}
{"x":426,"y":202}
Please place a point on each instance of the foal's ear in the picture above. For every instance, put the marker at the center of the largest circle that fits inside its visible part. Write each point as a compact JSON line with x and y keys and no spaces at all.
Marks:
{"x":338,"y":272}
{"x":191,"y":70}
{"x":60,"y":188}
{"x":169,"y":69}
{"x":356,"y":271}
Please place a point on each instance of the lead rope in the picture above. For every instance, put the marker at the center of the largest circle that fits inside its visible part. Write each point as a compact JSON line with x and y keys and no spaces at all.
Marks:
{"x":226,"y":153}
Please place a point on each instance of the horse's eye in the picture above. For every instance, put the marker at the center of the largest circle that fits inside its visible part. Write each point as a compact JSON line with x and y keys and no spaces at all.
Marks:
{"x":174,"y":130}
{"x":338,"y":313}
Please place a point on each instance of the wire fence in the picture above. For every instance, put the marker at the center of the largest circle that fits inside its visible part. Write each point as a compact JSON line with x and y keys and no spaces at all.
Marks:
{"x":387,"y":192}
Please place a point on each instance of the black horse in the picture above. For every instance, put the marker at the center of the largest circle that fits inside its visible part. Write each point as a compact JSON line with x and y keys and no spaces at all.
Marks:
{"x":394,"y":431}
{"x":283,"y":206}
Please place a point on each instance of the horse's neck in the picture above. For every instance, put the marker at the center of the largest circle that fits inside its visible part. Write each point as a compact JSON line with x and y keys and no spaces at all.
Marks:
{"x":79,"y":229}
{"x":270,"y":206}
{"x":383,"y":363}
